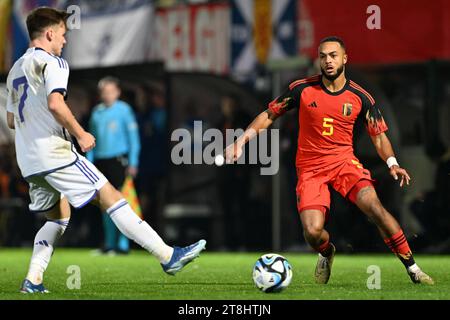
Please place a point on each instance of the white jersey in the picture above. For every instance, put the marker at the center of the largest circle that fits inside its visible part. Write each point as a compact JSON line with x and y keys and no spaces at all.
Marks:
{"x":42,"y":144}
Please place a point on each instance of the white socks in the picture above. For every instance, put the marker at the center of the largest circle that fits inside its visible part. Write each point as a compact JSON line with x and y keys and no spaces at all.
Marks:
{"x":44,"y":242}
{"x":139,"y":231}
{"x":414,"y":268}
{"x":124,"y":218}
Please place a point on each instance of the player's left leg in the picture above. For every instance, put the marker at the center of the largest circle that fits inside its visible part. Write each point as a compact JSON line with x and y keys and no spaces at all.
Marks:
{"x":83,"y":183}
{"x":367,"y":200}
{"x":57,"y":220}
{"x":172,"y":259}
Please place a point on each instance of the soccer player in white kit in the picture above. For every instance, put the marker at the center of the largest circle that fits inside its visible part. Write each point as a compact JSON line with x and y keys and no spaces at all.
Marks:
{"x":56,"y":173}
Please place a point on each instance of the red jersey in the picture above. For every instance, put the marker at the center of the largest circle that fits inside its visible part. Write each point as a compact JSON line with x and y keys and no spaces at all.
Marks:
{"x":327,"y":119}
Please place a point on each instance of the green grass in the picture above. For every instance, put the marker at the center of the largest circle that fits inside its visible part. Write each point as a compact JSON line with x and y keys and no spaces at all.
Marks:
{"x":221,"y":276}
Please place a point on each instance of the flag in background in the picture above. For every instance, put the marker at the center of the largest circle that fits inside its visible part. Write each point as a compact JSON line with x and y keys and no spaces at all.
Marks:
{"x":5,"y":36}
{"x":111,"y":33}
{"x":129,"y":192}
{"x":261,"y":30}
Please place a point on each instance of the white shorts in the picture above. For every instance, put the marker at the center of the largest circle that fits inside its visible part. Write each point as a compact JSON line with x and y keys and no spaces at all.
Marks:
{"x":79,"y":183}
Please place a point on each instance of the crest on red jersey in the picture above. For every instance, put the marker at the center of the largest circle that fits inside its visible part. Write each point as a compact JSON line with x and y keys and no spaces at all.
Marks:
{"x":347,"y":109}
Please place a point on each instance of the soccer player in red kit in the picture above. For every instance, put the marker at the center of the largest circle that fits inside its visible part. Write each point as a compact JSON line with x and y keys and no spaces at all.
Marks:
{"x":329,"y":105}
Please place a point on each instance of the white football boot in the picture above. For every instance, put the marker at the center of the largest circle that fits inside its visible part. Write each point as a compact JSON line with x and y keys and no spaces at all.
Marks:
{"x":323,"y":267}
{"x":418,"y":276}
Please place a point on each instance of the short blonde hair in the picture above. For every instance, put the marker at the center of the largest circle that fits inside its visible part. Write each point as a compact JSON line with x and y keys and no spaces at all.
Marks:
{"x":109,"y":79}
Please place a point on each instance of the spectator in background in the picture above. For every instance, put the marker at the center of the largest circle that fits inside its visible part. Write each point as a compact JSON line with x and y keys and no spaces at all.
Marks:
{"x":234,"y":181}
{"x":12,"y":185}
{"x":16,"y":222}
{"x":116,"y":154}
{"x":152,"y":120}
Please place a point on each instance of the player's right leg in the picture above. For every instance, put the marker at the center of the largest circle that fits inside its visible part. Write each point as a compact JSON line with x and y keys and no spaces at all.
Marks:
{"x":57,"y":211}
{"x":313,"y":221}
{"x":172,"y":259}
{"x":313,"y":201}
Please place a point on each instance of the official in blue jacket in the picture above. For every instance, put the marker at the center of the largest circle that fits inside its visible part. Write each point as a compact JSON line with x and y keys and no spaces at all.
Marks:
{"x":116,"y":154}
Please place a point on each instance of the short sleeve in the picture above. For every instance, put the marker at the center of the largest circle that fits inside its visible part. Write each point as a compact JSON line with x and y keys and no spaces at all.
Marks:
{"x":56,"y":75}
{"x":289,"y":100}
{"x":373,"y":120}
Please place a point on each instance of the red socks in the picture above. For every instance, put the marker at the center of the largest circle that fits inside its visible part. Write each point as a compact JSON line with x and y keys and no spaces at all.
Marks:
{"x":399,"y":246}
{"x":324,"y":249}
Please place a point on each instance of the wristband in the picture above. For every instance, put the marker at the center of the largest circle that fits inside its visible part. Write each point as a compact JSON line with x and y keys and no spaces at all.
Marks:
{"x":391,"y":161}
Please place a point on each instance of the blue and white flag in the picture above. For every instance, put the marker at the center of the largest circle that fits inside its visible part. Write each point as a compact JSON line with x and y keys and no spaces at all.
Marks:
{"x":110,"y":33}
{"x":261,"y":30}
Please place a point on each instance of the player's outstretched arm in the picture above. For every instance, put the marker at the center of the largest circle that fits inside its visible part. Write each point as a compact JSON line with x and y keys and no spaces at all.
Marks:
{"x":385,"y":151}
{"x":261,"y":122}
{"x":65,"y":117}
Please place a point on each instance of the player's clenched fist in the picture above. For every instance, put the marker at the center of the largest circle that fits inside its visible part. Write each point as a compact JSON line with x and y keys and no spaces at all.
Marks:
{"x":86,"y":142}
{"x":233,"y":152}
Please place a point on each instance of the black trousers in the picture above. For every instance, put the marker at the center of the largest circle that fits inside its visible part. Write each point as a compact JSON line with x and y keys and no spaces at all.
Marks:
{"x":114,"y":170}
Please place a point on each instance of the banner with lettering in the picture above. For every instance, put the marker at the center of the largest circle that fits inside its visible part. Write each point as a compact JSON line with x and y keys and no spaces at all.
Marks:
{"x":193,"y":38}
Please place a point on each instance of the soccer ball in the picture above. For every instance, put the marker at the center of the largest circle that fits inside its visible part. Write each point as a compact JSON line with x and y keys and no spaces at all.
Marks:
{"x":272,"y":273}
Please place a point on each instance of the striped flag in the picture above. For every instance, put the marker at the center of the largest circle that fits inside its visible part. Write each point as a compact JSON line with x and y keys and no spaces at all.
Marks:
{"x":129,"y":192}
{"x":261,"y":30}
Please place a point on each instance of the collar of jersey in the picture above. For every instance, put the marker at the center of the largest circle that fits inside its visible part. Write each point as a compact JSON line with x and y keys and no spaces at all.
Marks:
{"x":347,"y":81}
{"x":39,"y":48}
{"x":103,"y":106}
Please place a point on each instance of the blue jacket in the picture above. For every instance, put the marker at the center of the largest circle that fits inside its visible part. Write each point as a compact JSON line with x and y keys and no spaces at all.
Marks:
{"x":116,"y":132}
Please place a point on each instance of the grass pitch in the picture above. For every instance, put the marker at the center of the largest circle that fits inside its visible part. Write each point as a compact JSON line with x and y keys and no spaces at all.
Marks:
{"x":218,"y":276}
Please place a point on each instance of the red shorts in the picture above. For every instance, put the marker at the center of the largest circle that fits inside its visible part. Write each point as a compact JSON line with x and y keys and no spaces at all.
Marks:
{"x":346,"y":177}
